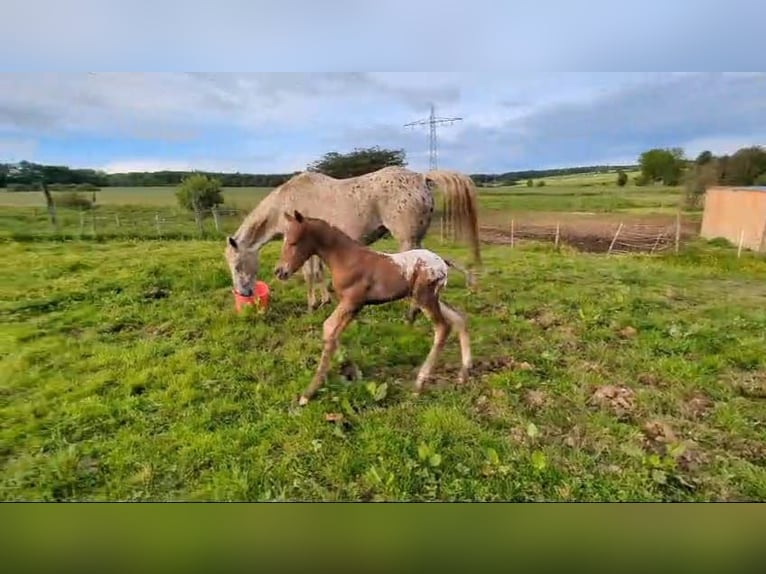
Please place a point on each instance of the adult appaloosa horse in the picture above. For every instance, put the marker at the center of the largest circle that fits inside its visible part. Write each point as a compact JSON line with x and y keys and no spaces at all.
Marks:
{"x":392,"y":199}
{"x":361,"y":277}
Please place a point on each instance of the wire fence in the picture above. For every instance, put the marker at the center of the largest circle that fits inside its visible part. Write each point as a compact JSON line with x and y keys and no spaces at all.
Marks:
{"x":105,"y":222}
{"x":594,"y":236}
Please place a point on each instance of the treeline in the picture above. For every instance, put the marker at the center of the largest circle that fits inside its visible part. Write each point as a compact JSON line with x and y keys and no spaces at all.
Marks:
{"x":27,"y":176}
{"x":745,"y":167}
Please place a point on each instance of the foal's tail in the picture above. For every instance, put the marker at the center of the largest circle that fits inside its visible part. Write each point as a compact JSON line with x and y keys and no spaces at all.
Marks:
{"x":470,"y":278}
{"x":459,"y":210}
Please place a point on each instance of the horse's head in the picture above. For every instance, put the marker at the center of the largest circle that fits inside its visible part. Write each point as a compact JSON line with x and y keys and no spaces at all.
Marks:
{"x":299,"y":244}
{"x":243,"y":264}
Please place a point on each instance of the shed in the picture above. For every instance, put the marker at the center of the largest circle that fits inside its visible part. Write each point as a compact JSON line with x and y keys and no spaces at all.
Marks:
{"x":731,"y":212}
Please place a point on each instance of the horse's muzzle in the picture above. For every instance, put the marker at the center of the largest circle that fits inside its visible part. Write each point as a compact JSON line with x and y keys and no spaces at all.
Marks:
{"x":281,"y":273}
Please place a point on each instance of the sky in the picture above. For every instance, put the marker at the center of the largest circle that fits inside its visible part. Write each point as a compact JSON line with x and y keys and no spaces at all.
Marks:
{"x":517,"y":113}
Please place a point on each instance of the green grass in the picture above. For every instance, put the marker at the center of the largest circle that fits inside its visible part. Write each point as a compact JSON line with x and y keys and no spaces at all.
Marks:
{"x":126,"y":375}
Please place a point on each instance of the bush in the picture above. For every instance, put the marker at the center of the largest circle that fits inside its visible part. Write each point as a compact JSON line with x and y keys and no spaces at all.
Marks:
{"x":541,"y":183}
{"x":73,"y":200}
{"x":200,"y":190}
{"x":696,"y":182}
{"x":622,"y":178}
{"x":761,"y":179}
{"x":23,"y":187}
{"x":530,"y":183}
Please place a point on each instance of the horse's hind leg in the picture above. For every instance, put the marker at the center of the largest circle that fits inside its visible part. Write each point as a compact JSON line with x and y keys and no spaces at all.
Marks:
{"x":406,"y":245}
{"x":425,"y":297}
{"x":458,"y":322}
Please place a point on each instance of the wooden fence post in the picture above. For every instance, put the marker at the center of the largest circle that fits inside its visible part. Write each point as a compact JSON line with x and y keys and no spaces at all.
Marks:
{"x":157,"y":223}
{"x":51,"y":206}
{"x":82,"y":222}
{"x":117,"y":219}
{"x":215,"y":219}
{"x":512,"y":233}
{"x":558,"y":235}
{"x":614,"y":239}
{"x":678,"y":231}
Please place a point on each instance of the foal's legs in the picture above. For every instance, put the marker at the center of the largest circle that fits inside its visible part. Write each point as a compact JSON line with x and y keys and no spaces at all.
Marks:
{"x":405,"y":245}
{"x":457,"y":321}
{"x":333,"y":327}
{"x":444,"y":317}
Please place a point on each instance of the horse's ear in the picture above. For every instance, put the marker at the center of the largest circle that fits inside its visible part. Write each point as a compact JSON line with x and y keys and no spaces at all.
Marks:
{"x":298,"y":216}
{"x":233,"y":242}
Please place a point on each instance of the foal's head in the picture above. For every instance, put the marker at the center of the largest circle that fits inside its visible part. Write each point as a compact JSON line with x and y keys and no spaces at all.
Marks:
{"x":300,"y":243}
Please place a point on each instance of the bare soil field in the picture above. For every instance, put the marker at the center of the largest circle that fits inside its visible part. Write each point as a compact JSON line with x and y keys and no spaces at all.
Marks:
{"x":591,"y":232}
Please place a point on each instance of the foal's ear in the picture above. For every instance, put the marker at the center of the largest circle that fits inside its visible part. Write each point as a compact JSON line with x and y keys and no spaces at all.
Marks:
{"x":233,"y":243}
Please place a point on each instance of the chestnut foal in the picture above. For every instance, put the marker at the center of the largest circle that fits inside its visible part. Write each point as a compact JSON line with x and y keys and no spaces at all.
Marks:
{"x":360,"y":277}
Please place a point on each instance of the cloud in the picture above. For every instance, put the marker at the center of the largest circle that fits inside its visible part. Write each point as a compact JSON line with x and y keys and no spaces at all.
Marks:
{"x":666,"y":110}
{"x":282,"y":121}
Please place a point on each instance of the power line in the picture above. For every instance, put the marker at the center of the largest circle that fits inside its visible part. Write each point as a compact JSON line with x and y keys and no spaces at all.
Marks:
{"x":432,"y":122}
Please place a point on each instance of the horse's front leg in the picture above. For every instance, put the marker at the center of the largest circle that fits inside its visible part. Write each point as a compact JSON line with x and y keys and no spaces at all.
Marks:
{"x":308,"y":277}
{"x":335,"y":324}
{"x":414,"y":310}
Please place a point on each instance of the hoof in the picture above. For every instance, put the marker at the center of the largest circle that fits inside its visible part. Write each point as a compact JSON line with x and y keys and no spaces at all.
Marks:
{"x":462,"y":378}
{"x":303,"y":401}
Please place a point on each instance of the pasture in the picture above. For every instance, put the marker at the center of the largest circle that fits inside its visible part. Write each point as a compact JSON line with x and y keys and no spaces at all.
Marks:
{"x":126,"y":374}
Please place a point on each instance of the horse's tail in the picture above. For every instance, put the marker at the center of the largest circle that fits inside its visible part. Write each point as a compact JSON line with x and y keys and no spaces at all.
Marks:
{"x":470,"y":279}
{"x":459,"y":208}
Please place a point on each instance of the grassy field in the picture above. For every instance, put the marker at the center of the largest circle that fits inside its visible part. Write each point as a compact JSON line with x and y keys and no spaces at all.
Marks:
{"x":132,"y":212}
{"x":127,"y":376}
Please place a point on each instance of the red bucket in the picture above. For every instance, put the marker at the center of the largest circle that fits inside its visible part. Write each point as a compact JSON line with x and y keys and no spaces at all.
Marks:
{"x":260,"y":297}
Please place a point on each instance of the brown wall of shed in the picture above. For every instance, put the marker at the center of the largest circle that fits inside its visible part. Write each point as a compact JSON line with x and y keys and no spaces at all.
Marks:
{"x":731,"y":211}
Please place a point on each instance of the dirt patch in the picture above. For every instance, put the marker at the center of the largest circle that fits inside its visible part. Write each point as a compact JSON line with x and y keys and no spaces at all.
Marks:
{"x":535,"y":399}
{"x":544,"y":319}
{"x":628,"y":332}
{"x":751,"y":385}
{"x":592,"y":232}
{"x":493,"y":365}
{"x":697,"y":406}
{"x":619,"y":400}
{"x":651,"y":380}
{"x":657,"y":436}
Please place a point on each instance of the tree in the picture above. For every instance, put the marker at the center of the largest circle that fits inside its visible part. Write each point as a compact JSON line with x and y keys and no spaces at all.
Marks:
{"x":665,"y":165}
{"x":622,"y":178}
{"x":745,"y":166}
{"x":704,"y":158}
{"x":358,"y":162}
{"x":199,"y":192}
{"x":530,"y":183}
{"x":696,"y":182}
